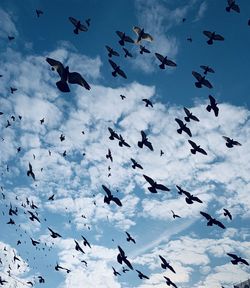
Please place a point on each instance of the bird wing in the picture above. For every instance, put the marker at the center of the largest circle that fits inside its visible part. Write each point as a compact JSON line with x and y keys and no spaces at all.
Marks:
{"x":83,"y":27}
{"x":73,"y":21}
{"x":188,"y":113}
{"x":195,"y":198}
{"x":76,"y":78}
{"x":126,"y":261}
{"x":162,"y":187}
{"x":218,"y":37}
{"x":113,"y":64}
{"x":193,"y":144}
{"x":137,"y":30}
{"x":117,"y":201}
{"x":207,"y":216}
{"x":207,"y":83}
{"x":147,"y":36}
{"x":122,"y":73}
{"x":171,"y":63}
{"x":149,"y":180}
{"x":160,"y":57}
{"x":207,"y":33}
{"x":194,"y":118}
{"x":119,"y":33}
{"x":197,"y":75}
{"x":235,"y":7}
{"x":57,"y":65}
{"x":149,"y":145}
{"x":218,"y":223}
{"x":212,"y":100}
{"x":108,"y":192}
{"x":128,"y":39}
{"x":187,"y":130}
{"x":232,"y":255}
{"x":180,"y":122}
{"x":244,"y":261}
{"x":202,"y":151}
{"x":143,"y":134}
{"x":236,"y":143}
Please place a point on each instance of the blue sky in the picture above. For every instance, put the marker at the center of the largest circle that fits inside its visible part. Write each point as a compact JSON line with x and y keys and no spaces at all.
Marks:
{"x":220,"y":179}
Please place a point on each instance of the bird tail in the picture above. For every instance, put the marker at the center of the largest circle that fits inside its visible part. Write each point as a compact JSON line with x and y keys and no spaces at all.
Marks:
{"x":141,"y":52}
{"x":62,"y":86}
{"x":121,"y":42}
{"x":140,"y":144}
{"x":133,"y":166}
{"x":76,"y":31}
{"x":229,"y":145}
{"x":114,"y":74}
{"x":234,"y":262}
{"x":193,"y":151}
{"x":162,"y":66}
{"x":187,"y":119}
{"x":208,"y":108}
{"x":179,"y":131}
{"x":28,"y":173}
{"x":210,"y":42}
{"x":198,"y":84}
{"x":152,"y":189}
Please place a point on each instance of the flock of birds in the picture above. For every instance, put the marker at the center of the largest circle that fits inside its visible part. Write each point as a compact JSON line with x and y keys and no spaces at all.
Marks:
{"x":66,"y":78}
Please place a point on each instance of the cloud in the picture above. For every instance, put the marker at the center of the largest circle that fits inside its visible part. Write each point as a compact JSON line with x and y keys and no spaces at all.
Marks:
{"x":201,"y":11}
{"x":8,"y":27}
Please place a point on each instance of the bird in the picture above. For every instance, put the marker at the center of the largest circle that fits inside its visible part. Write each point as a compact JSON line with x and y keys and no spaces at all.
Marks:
{"x":232,"y":6}
{"x":212,"y":37}
{"x":121,"y":257}
{"x":33,"y":217}
{"x":110,"y":197}
{"x":11,"y":222}
{"x":78,"y":247}
{"x":196,"y":148}
{"x":85,"y":242}
{"x":189,"y":39}
{"x":111,"y":52}
{"x":227,"y":214}
{"x":39,"y":13}
{"x":154,"y":186}
{"x":130,"y":238}
{"x":122,"y":96}
{"x":201,"y":80}
{"x":165,"y":264}
{"x":169,"y":282}
{"x":8,"y":124}
{"x":78,"y":25}
{"x":135,"y":164}
{"x":30,"y":172}
{"x":141,"y":275}
{"x":113,"y":134}
{"x":122,"y":142}
{"x":124,"y":270}
{"x":147,"y":102}
{"x":230,"y":143}
{"x":165,"y":61}
{"x":124,"y":38}
{"x":54,"y":234}
{"x":117,"y":69}
{"x":236,"y":259}
{"x":141,"y":35}
{"x":145,"y":142}
{"x":11,"y":38}
{"x":66,"y":76}
{"x":207,"y":69}
{"x":109,"y":155}
{"x":190,"y":115}
{"x":161,"y":153}
{"x":34,"y":242}
{"x":18,"y":149}
{"x":127,"y":53}
{"x":64,"y":153}
{"x":41,"y":279}
{"x":12,"y":90}
{"x":2,"y":281}
{"x":213,"y":106}
{"x":42,"y":121}
{"x":115,"y":272}
{"x":183,"y":127}
{"x":51,"y":198}
{"x":212,"y":221}
{"x":143,"y":49}
{"x":189,"y":197}
{"x":175,"y":215}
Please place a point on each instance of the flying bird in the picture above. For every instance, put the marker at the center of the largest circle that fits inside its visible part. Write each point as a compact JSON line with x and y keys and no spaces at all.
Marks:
{"x":110,"y":197}
{"x":12,"y":90}
{"x":78,"y":247}
{"x":165,"y":61}
{"x":175,"y":215}
{"x":196,"y":148}
{"x":51,"y":198}
{"x":30,"y":172}
{"x":34,"y":242}
{"x":121,"y":257}
{"x":11,"y":38}
{"x":130,"y":238}
{"x":212,"y":221}
{"x":111,"y":51}
{"x":227,"y":214}
{"x":54,"y":234}
{"x":124,"y":38}
{"x":122,"y":142}
{"x":147,"y":102}
{"x":212,"y":37}
{"x":169,"y":282}
{"x":154,"y":186}
{"x":39,"y":13}
{"x":85,"y":242}
{"x":183,"y":127}
{"x":66,"y":76}
{"x":201,"y":80}
{"x":236,"y":259}
{"x":232,"y":6}
{"x":230,"y":143}
{"x":145,"y":142}
{"x":116,"y":273}
{"x":33,"y":216}
{"x":135,"y":164}
{"x":207,"y":69}
{"x":190,"y":199}
{"x":122,"y":96}
{"x":141,"y":275}
{"x":143,"y":49}
{"x":113,"y":134}
{"x":165,"y":264}
{"x":109,"y":155}
{"x":190,"y":116}
{"x":213,"y":106}
{"x":78,"y":25}
{"x":127,"y":53}
{"x":141,"y":35}
{"x":117,"y":70}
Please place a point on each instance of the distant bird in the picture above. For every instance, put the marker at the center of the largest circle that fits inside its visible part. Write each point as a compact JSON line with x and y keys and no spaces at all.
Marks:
{"x":227,"y":214}
{"x":127,"y":53}
{"x":78,"y":247}
{"x":117,"y":69}
{"x":18,"y":149}
{"x":230,"y":143}
{"x":124,"y":38}
{"x":122,"y":142}
{"x":39,"y":13}
{"x":11,"y":38}
{"x":110,"y":197}
{"x":33,"y":217}
{"x":169,"y":282}
{"x":12,"y":90}
{"x":165,"y":61}
{"x":87,"y":21}
{"x":78,"y":25}
{"x":161,"y":153}
{"x":183,"y":127}
{"x":11,"y":222}
{"x":145,"y":142}
{"x":64,"y":153}
{"x":111,"y":51}
{"x":201,"y":80}
{"x":232,"y":6}
{"x":42,"y":121}
{"x":30,"y":172}
{"x":175,"y":215}
{"x":62,"y":137}
{"x":196,"y":148}
{"x":212,"y":37}
{"x":213,"y":106}
{"x":54,"y":234}
{"x":236,"y":259}
{"x":113,"y":134}
{"x":8,"y":124}
{"x":41,"y":279}
{"x":143,"y":49}
{"x":122,"y":96}
{"x":147,"y":102}
{"x":130,"y":238}
{"x":141,"y":275}
{"x":121,"y":257}
{"x":51,"y":198}
{"x":207,"y":69}
{"x":165,"y":264}
{"x":190,"y":39}
{"x":124,"y":270}
{"x":135,"y":164}
{"x":141,"y":35}
{"x":190,"y":116}
{"x":2,"y":281}
{"x":66,"y":76}
{"x":115,"y":272}
{"x":85,"y":242}
{"x":109,"y":155}
{"x":13,"y":118}
{"x":212,"y":221}
{"x":34,"y":242}
{"x":190,"y":199}
{"x":154,"y":186}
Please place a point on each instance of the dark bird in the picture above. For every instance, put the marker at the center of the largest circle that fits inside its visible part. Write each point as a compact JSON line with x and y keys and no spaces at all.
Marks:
{"x":190,"y":115}
{"x":11,"y":222}
{"x":85,"y":242}
{"x":236,"y":259}
{"x":11,"y":38}
{"x":143,"y":49}
{"x":124,"y":270}
{"x":207,"y":69}
{"x":115,"y":272}
{"x":212,"y":37}
{"x":12,"y":211}
{"x":33,"y":217}
{"x":189,"y":39}
{"x":78,"y":25}
{"x":51,"y":198}
{"x":147,"y":102}
{"x":183,"y":127}
{"x":110,"y":197}
{"x":2,"y":281}
{"x":175,"y":215}
{"x":38,"y":13}
{"x":212,"y":221}
{"x":113,"y":134}
{"x":196,"y":148}
{"x":78,"y":247}
{"x":154,"y":185}
{"x":161,"y":153}
{"x":124,"y":38}
{"x":230,"y":143}
{"x":227,"y":214}
{"x":57,"y":267}
{"x":64,"y":153}
{"x":201,"y":80}
{"x":18,"y":149}
{"x":111,"y":51}
{"x":13,"y":118}
{"x":190,"y":199}
{"x":42,"y":121}
{"x":121,"y":257}
{"x":141,"y":275}
{"x":135,"y":164}
{"x":54,"y":234}
{"x":12,"y":90}
{"x":145,"y":142}
{"x":122,"y":142}
{"x":232,"y":6}
{"x":213,"y":106}
{"x":66,"y":76}
{"x":41,"y":279}
{"x":117,"y":69}
{"x":30,"y":172}
{"x":109,"y":155}
{"x":122,"y":96}
{"x":62,"y":137}
{"x":169,"y":282}
{"x":165,"y":61}
{"x":8,"y":124}
{"x":166,"y":265}
{"x":130,"y":238}
{"x":127,"y":53}
{"x":34,"y":242}
{"x":141,"y":35}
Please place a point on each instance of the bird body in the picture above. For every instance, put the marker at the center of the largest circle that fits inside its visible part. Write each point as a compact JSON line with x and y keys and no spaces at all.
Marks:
{"x":213,"y":106}
{"x":145,"y":142}
{"x":141,"y":35}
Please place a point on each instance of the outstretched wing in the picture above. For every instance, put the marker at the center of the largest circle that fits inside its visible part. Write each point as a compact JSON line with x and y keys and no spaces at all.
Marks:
{"x":76,"y":78}
{"x":160,"y":57}
{"x":149,"y":180}
{"x":137,"y":30}
{"x":218,"y":223}
{"x":202,"y":151}
{"x":113,"y":64}
{"x":232,"y":255}
{"x":193,"y":144}
{"x":218,"y":37}
{"x":117,"y":201}
{"x":108,"y":192}
{"x":149,"y":145}
{"x":57,"y":65}
{"x":180,"y":122}
{"x":148,"y":37}
{"x":197,"y":75}
{"x":212,"y":100}
{"x":73,"y":21}
{"x":207,"y":83}
{"x":128,"y":39}
{"x":162,"y":187}
{"x":207,"y":216}
{"x":207,"y":33}
{"x":122,"y":73}
{"x":170,"y":63}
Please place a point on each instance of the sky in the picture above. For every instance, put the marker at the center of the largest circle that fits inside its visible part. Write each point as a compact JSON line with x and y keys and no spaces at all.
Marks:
{"x":221,"y":179}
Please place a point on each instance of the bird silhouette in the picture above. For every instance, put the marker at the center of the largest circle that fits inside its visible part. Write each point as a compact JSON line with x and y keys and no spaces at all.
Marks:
{"x":78,"y":25}
{"x":113,"y":134}
{"x":122,"y":142}
{"x":116,"y":273}
{"x":145,"y":142}
{"x":109,"y":155}
{"x":141,"y":35}
{"x":190,"y":199}
{"x":196,"y":148}
{"x":130,"y":238}
{"x":175,"y":215}
{"x":11,"y":38}
{"x":143,"y":49}
{"x":122,"y":97}
{"x":169,"y":282}
{"x":33,"y":216}
{"x":165,"y":61}
{"x":34,"y":242}
{"x":121,"y":257}
{"x":41,"y":279}
{"x":212,"y":221}
{"x":236,"y":259}
{"x":30,"y":172}
{"x":165,"y":264}
{"x":51,"y":198}
{"x":54,"y":234}
{"x":127,"y":53}
{"x":78,"y":247}
{"x":12,"y":90}
{"x":135,"y":164}
{"x":111,"y":51}
{"x":201,"y":80}
{"x":232,"y":6}
{"x":183,"y":127}
{"x":110,"y":197}
{"x":85,"y":242}
{"x":141,"y":275}
{"x":213,"y":106}
{"x":124,"y":38}
{"x":39,"y":13}
{"x":213,"y":37}
{"x":154,"y":186}
{"x":147,"y":102}
{"x":207,"y":69}
{"x":227,"y":214}
{"x":117,"y":70}
{"x":230,"y":143}
{"x":190,"y":116}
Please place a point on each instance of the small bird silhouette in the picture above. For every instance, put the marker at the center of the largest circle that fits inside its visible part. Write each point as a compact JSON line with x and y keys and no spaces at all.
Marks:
{"x":232,"y":6}
{"x":109,"y":155}
{"x":117,"y":70}
{"x":183,"y":127}
{"x":145,"y":141}
{"x":141,"y":275}
{"x":115,"y":272}
{"x":54,"y":234}
{"x":169,"y":282}
{"x":213,"y":106}
{"x":141,"y":35}
{"x":30,"y":172}
{"x":196,"y":148}
{"x":39,"y":13}
{"x":154,"y":185}
{"x":212,"y":37}
{"x":236,"y":259}
{"x":190,"y":116}
{"x":175,"y":215}
{"x":78,"y":247}
{"x":130,"y":238}
{"x":135,"y":164}
{"x":212,"y":221}
{"x":147,"y":102}
{"x":207,"y":69}
{"x":143,"y":49}
{"x":78,"y":25}
{"x":230,"y":143}
{"x":227,"y":214}
{"x":121,"y":257}
{"x":110,"y":197}
{"x":111,"y":51}
{"x":201,"y":80}
{"x":127,"y":53}
{"x":165,"y":61}
{"x":124,"y":38}
{"x":165,"y":264}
